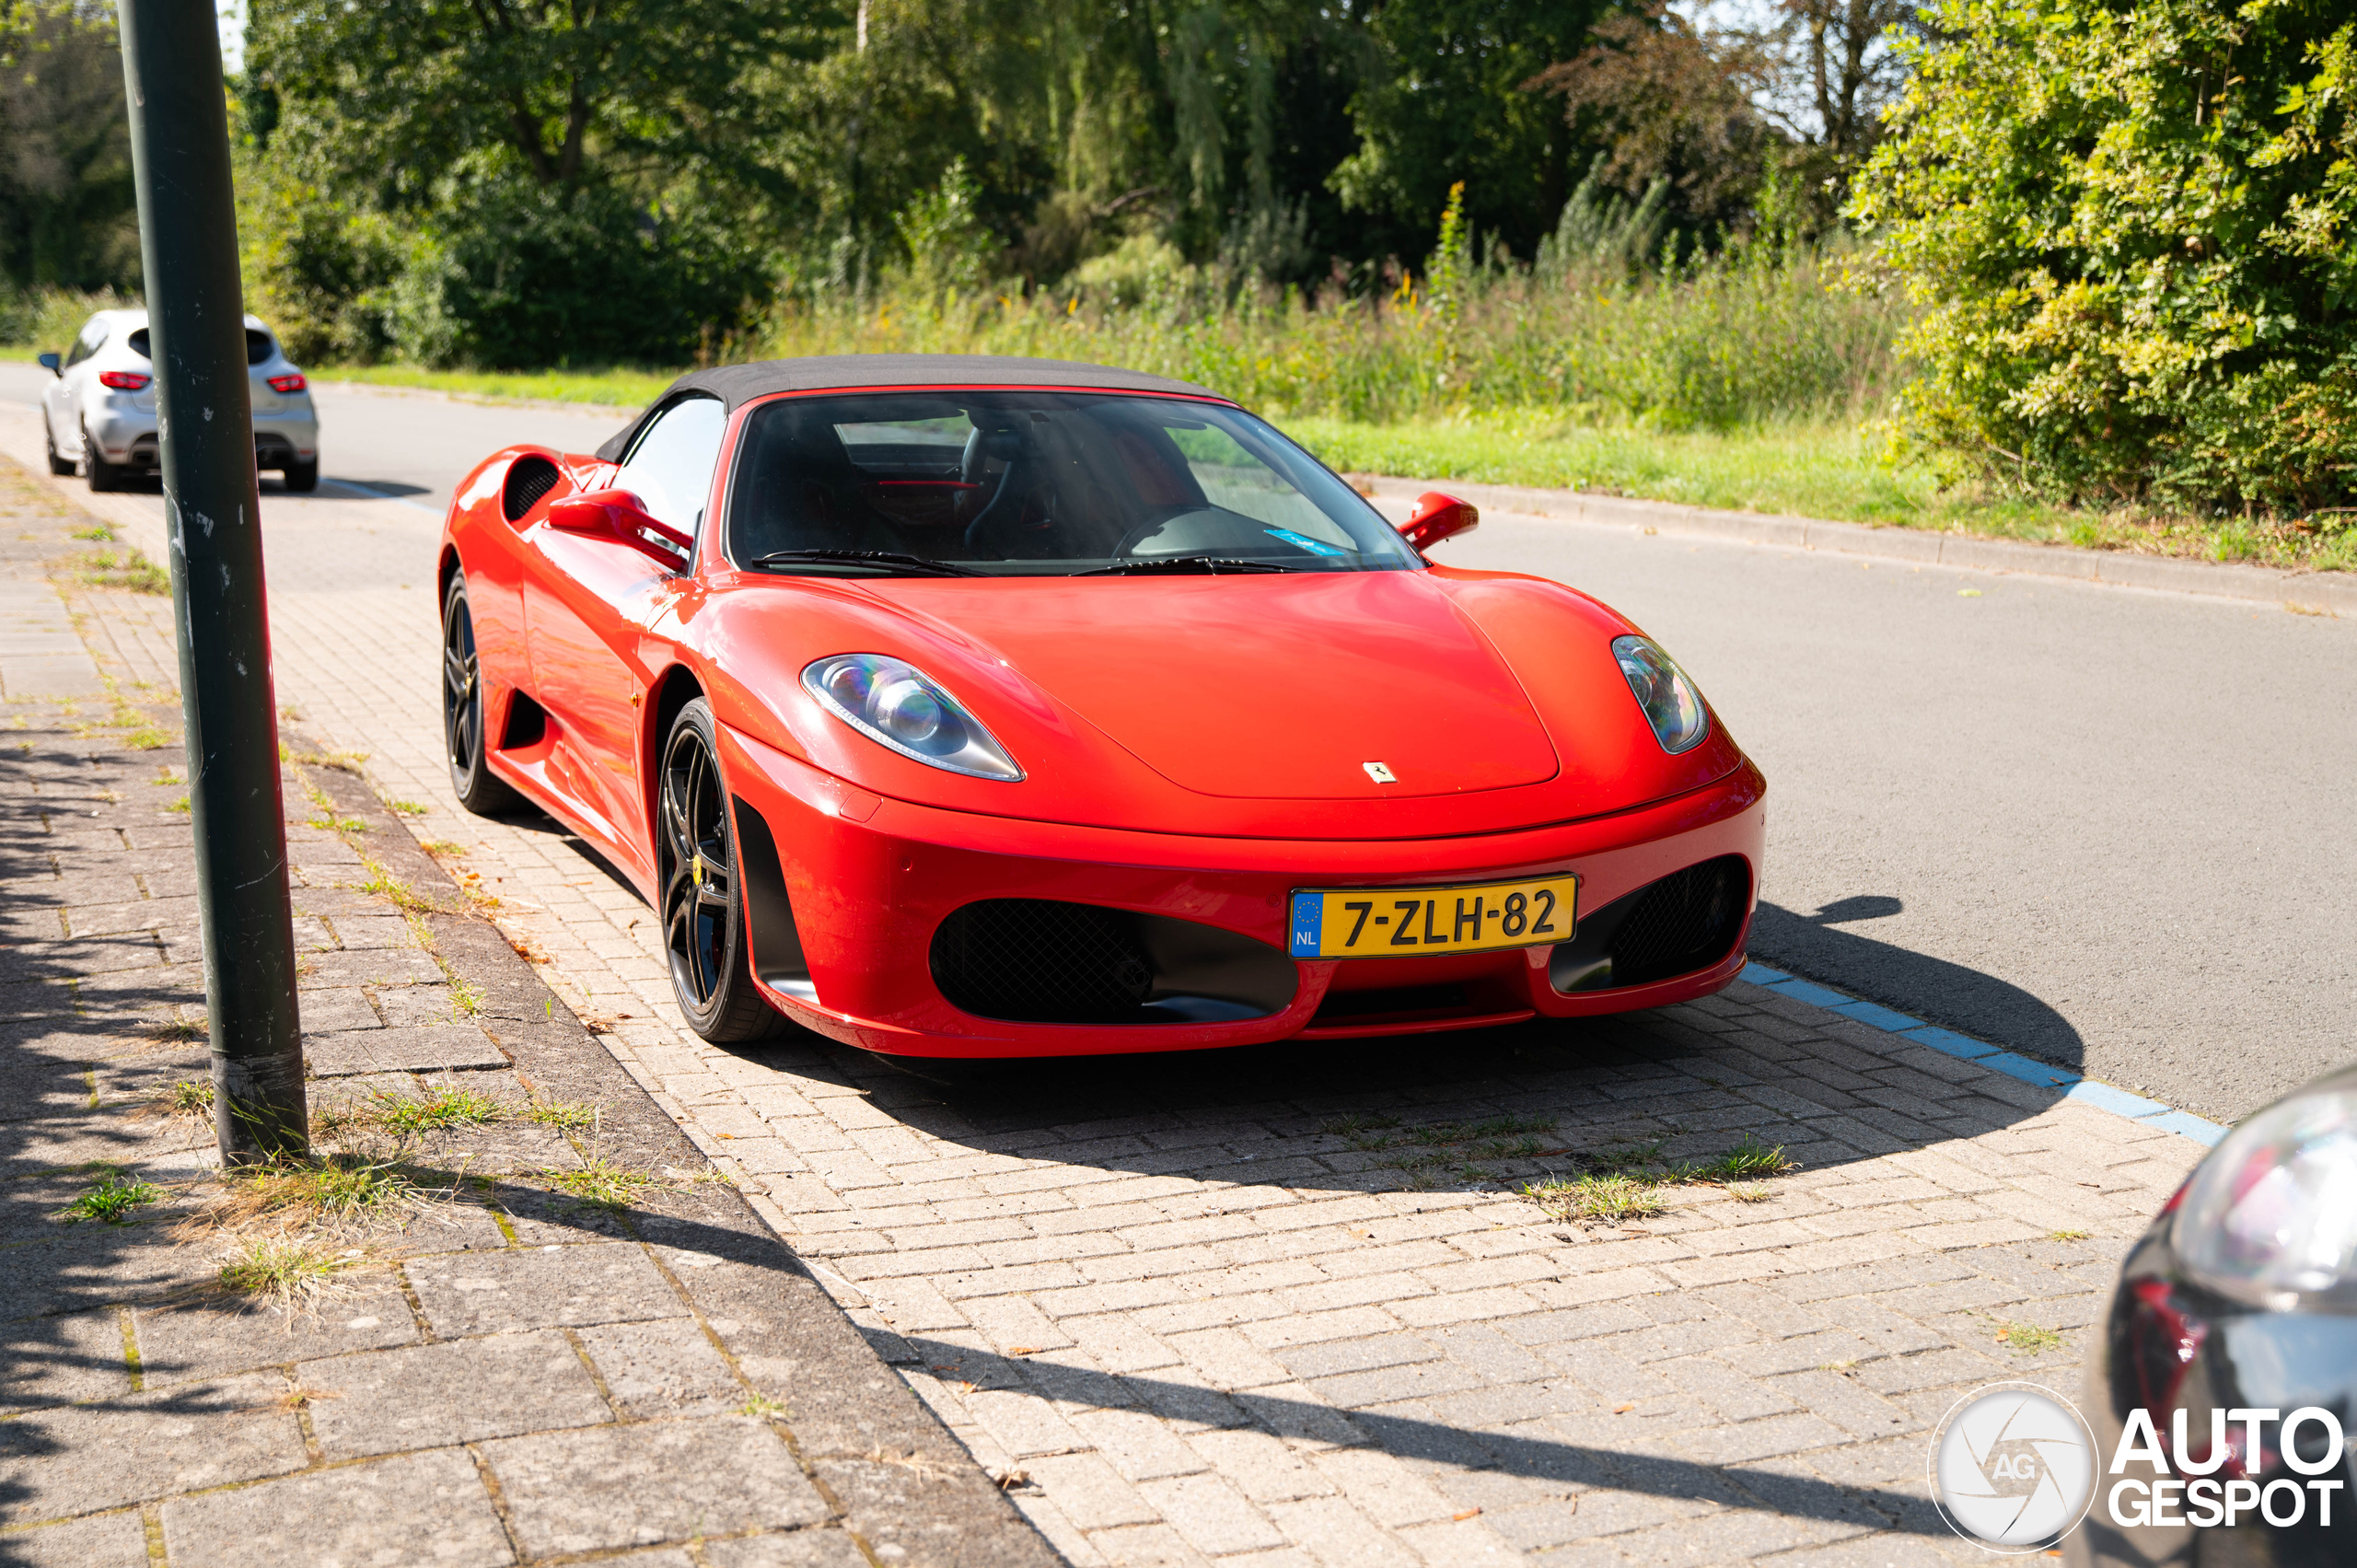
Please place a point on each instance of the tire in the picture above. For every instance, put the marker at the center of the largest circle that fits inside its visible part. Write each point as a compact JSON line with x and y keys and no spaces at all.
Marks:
{"x":701,"y":904}
{"x":57,"y":465}
{"x":462,"y":725}
{"x":300,"y":479}
{"x":104,"y":476}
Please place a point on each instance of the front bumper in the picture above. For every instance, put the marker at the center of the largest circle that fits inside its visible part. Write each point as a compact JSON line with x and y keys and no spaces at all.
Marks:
{"x":870,"y":881}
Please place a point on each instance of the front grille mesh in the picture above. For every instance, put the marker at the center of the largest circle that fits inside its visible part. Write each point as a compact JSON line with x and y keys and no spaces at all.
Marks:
{"x":1685,"y":922}
{"x":1041,"y":962}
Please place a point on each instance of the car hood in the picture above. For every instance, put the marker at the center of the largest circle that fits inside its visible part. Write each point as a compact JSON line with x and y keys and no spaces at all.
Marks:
{"x":1242,"y":705}
{"x":1299,"y":687}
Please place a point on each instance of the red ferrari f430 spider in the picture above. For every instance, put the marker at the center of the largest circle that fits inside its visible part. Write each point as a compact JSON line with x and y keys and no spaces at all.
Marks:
{"x":970,"y":707}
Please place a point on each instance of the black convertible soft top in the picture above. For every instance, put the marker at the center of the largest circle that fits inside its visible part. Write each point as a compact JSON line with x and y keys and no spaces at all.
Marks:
{"x":736,"y":385}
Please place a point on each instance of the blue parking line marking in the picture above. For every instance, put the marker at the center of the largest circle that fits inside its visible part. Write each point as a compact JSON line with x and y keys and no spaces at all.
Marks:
{"x":2120,"y":1102}
{"x":2027,"y":1070}
{"x":1810,"y":992}
{"x":2093,"y":1092}
{"x":1877,"y":1015}
{"x":2186,"y":1124}
{"x":1949,"y":1043}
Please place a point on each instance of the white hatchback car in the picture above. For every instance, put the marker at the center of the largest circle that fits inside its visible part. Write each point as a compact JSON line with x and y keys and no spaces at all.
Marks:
{"x":101,"y":411}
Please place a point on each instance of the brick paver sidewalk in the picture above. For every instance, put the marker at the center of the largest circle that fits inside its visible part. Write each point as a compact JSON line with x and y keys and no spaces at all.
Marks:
{"x":557,"y":1335}
{"x":1287,"y":1306}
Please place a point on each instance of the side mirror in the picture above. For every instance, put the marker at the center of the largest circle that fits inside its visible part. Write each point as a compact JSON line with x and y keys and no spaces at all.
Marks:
{"x":620,"y":516}
{"x":50,"y":362}
{"x":1437,"y":517}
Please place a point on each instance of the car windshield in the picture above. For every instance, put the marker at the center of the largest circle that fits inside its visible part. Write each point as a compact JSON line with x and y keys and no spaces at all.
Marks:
{"x":1032,"y":484}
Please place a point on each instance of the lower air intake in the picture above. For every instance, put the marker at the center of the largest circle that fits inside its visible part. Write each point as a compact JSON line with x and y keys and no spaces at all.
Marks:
{"x":1687,"y":921}
{"x":1045,"y":961}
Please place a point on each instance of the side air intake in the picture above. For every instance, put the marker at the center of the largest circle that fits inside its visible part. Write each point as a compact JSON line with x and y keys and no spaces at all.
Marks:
{"x":528,"y":478}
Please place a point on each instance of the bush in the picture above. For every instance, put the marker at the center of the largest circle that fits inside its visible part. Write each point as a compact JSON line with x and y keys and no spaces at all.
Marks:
{"x":45,"y":320}
{"x":2128,"y":226}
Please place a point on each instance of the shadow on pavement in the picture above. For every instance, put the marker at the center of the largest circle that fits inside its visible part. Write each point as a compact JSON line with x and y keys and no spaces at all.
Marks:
{"x":1932,"y":989}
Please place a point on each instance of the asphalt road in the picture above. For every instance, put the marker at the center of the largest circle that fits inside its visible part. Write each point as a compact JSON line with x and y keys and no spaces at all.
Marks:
{"x":2106,"y":826}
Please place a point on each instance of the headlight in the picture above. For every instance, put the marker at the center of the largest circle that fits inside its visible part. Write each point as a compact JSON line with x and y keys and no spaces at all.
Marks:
{"x":897,"y":704}
{"x":1673,"y":706}
{"x":2273,"y":1210}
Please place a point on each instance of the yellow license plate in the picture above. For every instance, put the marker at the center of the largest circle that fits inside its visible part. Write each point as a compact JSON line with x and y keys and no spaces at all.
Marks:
{"x":1394,"y":923}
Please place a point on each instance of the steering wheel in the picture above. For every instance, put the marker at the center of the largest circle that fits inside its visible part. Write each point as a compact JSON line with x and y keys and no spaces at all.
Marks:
{"x":1158,"y":516}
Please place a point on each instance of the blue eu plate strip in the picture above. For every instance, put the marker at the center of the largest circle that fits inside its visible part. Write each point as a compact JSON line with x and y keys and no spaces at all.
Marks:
{"x":1308,"y":923}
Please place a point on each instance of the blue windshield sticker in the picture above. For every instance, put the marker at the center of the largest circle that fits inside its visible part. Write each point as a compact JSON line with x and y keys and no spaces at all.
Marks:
{"x":1303,"y":542}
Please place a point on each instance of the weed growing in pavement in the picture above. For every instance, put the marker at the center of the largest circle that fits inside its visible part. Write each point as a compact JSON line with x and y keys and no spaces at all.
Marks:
{"x":761,"y":1405}
{"x":190,"y":1100}
{"x":98,"y":532}
{"x":2027,"y":1339}
{"x":385,"y":885}
{"x":110,"y":1200}
{"x":178,"y":1030}
{"x":1358,"y":1121}
{"x":331,"y":1189}
{"x":601,"y":1184}
{"x":408,"y":807}
{"x":148,"y":738}
{"x":180,"y":805}
{"x":2068,"y":1234}
{"x":466,"y":998}
{"x":566,"y":1116}
{"x":1597,"y":1198}
{"x":343,"y":761}
{"x":1748,"y":1158}
{"x":286,"y":1270}
{"x":1630,"y":1181}
{"x":125,"y":569}
{"x":436,"y":1110}
{"x":438,"y":848}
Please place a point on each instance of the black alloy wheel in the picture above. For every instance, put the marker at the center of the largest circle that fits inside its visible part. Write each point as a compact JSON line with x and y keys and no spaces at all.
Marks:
{"x":462,"y":727}
{"x":702,"y":906}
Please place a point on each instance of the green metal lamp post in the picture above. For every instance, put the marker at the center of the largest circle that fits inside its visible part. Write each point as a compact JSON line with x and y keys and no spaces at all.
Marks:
{"x":188,"y":239}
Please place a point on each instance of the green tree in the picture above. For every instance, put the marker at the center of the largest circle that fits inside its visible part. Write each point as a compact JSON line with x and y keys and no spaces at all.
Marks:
{"x":1446,"y":98}
{"x":2128,"y":229}
{"x":543,"y":162}
{"x":68,"y":215}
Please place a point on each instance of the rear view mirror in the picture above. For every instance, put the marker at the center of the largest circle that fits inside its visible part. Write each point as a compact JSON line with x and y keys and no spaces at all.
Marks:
{"x":1437,"y":517}
{"x":49,"y":363}
{"x":621,"y":517}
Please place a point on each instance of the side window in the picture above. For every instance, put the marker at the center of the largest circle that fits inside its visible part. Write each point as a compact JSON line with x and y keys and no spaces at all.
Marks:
{"x":94,"y":335}
{"x":671,"y":468}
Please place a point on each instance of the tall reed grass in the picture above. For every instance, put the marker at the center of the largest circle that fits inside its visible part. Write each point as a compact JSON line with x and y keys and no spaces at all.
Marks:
{"x":1757,"y":336}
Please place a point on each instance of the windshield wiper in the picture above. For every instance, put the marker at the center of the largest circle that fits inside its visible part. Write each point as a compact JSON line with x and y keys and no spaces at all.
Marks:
{"x":1205,"y":566}
{"x":889,"y":562}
